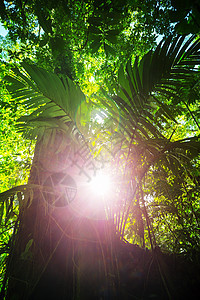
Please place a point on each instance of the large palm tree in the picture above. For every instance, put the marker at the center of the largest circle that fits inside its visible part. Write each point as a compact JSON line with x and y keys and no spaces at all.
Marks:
{"x":153,"y":94}
{"x":49,"y":250}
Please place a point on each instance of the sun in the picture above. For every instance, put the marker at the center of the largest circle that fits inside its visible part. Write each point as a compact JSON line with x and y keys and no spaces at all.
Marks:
{"x":101,"y":185}
{"x":97,"y":198}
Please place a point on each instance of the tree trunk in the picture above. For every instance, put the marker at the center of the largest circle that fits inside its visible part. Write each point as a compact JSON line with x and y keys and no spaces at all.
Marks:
{"x":63,"y":247}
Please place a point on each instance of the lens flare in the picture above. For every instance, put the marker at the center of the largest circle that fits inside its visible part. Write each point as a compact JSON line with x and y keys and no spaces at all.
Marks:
{"x":101,"y":185}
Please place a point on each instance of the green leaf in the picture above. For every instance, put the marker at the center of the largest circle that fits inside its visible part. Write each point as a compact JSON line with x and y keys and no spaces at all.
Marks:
{"x":51,"y":95}
{"x":111,"y":37}
{"x":108,"y":49}
{"x":95,"y":45}
{"x":95,"y":30}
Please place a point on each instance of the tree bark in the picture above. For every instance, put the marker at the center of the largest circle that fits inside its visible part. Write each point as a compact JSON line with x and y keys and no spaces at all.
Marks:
{"x":61,"y":250}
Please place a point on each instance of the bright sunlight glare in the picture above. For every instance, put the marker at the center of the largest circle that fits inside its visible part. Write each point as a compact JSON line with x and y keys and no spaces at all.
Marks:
{"x":101,"y":184}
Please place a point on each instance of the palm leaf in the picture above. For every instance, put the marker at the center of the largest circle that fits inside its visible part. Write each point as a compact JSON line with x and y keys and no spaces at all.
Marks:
{"x":157,"y":78}
{"x":51,"y":101}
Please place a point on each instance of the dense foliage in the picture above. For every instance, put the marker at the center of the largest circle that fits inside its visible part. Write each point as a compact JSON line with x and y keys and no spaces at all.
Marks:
{"x":94,"y":67}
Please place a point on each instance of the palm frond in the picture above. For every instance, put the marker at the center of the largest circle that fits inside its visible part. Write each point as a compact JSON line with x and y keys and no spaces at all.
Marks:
{"x":148,"y":85}
{"x":51,"y":101}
